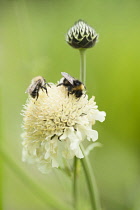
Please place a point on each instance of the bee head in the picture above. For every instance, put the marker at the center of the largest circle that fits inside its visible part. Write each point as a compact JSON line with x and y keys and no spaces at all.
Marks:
{"x":77,"y":82}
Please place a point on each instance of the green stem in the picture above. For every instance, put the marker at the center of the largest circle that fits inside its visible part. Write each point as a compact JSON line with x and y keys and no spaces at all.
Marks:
{"x":75,"y":183}
{"x":1,"y":184}
{"x":83,"y":79}
{"x":43,"y":196}
{"x":83,"y":65}
{"x":91,"y":183}
{"x":1,"y":161}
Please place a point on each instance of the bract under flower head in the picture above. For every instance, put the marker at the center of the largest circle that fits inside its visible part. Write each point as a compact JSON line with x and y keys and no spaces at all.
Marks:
{"x":81,"y":35}
{"x":55,"y":125}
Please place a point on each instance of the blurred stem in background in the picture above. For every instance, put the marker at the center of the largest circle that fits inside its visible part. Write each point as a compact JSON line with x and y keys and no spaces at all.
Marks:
{"x":75,"y":183}
{"x":47,"y":199}
{"x":1,"y":181}
{"x":1,"y":162}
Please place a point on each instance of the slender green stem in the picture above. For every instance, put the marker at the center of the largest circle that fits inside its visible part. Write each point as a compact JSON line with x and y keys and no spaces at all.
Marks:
{"x":91,"y":183}
{"x":83,"y":65}
{"x":1,"y":184}
{"x":1,"y":161}
{"x":83,"y":79}
{"x":75,"y":183}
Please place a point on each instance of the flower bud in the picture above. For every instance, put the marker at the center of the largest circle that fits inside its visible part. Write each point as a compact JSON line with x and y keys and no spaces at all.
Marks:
{"x":81,"y":35}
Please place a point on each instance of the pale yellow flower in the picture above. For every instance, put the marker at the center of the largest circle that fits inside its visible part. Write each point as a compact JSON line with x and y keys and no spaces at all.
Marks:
{"x":55,"y":125}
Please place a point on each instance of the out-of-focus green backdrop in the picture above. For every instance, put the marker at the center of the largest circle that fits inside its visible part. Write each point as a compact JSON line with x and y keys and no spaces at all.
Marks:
{"x":32,"y":43}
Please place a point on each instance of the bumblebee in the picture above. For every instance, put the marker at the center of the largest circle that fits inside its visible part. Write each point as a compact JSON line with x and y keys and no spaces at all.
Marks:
{"x":73,"y":85}
{"x":37,"y":83}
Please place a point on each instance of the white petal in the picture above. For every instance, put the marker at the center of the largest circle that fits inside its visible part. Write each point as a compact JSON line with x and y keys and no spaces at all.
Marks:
{"x":91,"y":147}
{"x":55,"y":163}
{"x":100,"y":116}
{"x":74,"y":145}
{"x":47,"y":155}
{"x":92,"y":134}
{"x":79,"y":153}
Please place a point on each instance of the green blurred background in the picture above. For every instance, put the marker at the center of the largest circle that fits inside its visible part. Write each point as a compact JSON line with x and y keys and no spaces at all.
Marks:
{"x":32,"y":43}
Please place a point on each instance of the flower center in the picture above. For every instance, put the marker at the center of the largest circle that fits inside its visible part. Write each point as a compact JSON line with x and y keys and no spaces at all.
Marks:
{"x":53,"y":111}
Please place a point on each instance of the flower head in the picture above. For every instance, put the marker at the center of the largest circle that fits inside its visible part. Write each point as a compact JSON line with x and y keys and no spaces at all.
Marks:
{"x":81,"y":35}
{"x":54,"y":126}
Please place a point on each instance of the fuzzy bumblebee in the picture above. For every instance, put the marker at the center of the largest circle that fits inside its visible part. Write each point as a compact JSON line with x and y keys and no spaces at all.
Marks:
{"x":74,"y":86}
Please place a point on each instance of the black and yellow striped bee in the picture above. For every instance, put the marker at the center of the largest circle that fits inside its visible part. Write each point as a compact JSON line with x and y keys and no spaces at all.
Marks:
{"x":74,"y":86}
{"x":37,"y":83}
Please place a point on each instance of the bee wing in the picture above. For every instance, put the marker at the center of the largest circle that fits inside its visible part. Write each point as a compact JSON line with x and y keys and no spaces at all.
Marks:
{"x":68,"y":77}
{"x":27,"y":90}
{"x":31,"y":88}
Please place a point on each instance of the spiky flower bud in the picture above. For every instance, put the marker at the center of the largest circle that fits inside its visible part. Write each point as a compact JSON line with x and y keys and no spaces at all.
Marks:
{"x":81,"y":35}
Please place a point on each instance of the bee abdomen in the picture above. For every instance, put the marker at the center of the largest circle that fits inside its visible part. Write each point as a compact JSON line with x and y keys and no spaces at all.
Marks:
{"x":78,"y":93}
{"x":34,"y":93}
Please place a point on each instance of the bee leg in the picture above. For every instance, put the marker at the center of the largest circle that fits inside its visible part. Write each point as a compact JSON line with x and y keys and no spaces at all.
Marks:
{"x":60,"y":84}
{"x":53,"y":136}
{"x":48,"y":84}
{"x":45,"y":89}
{"x":70,"y":91}
{"x":37,"y":95}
